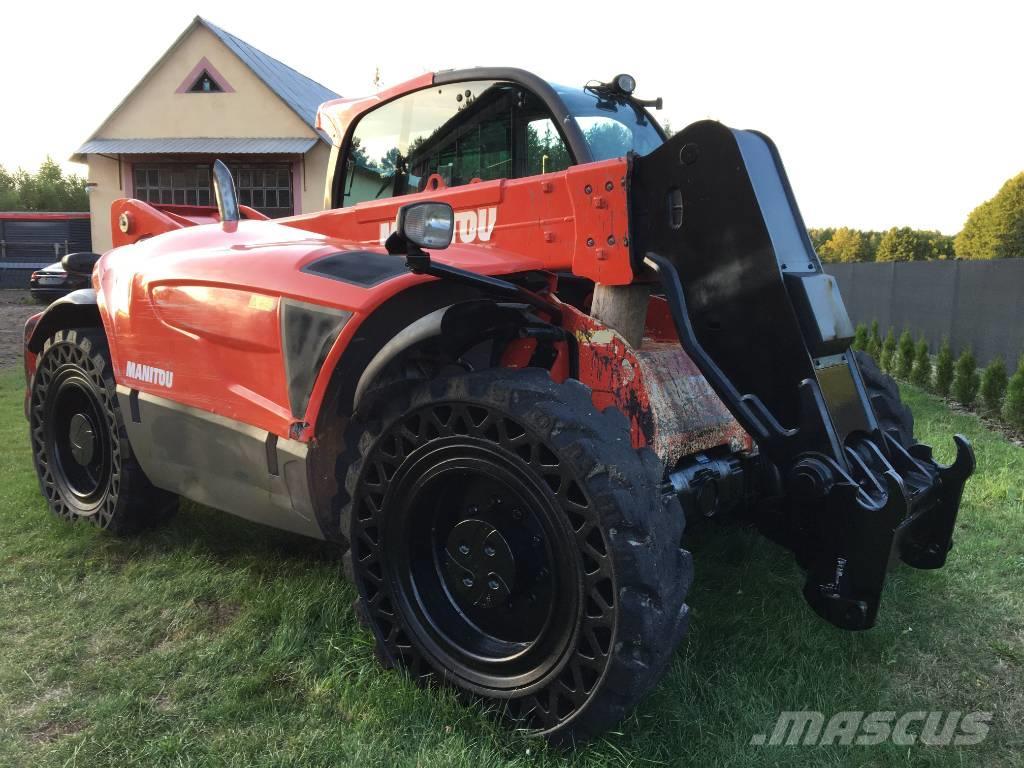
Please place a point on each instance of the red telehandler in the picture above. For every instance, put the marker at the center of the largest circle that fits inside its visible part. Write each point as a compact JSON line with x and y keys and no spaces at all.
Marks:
{"x":529,"y":337}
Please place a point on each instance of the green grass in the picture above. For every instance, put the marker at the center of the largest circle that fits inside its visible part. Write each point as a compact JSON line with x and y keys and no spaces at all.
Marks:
{"x":217,"y":642}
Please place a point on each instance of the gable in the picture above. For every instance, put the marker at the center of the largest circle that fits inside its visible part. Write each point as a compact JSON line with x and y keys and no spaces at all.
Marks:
{"x":160,"y":107}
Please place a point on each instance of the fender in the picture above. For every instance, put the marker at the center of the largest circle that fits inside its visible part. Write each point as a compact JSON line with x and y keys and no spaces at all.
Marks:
{"x":78,"y":309}
{"x":408,"y":318}
{"x":456,"y":328}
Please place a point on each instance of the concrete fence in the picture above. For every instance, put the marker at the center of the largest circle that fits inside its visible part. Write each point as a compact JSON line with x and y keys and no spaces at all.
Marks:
{"x":976,"y":303}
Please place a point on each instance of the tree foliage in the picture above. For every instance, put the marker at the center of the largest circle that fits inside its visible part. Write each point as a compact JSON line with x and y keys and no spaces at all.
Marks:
{"x":888,"y":352}
{"x":1013,"y":404}
{"x":993,"y":385}
{"x":921,"y":373}
{"x":874,"y":347}
{"x":860,"y":337}
{"x":965,"y":378}
{"x":902,"y":244}
{"x":944,"y":369}
{"x":845,"y":244}
{"x":905,"y":356}
{"x":995,"y":229}
{"x":48,"y":189}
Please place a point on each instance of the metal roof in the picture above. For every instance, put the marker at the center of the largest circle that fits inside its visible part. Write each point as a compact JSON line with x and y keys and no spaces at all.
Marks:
{"x":300,"y":93}
{"x":203,"y":146}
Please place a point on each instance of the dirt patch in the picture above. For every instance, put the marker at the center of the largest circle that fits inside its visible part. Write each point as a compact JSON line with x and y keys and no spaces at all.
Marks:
{"x":16,"y":306}
{"x":219,"y":613}
{"x":51,"y":730}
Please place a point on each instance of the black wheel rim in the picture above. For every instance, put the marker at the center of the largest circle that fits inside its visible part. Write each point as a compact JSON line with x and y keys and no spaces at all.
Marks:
{"x":71,"y":422}
{"x":481,"y":570}
{"x":78,"y":439}
{"x":450,"y":469}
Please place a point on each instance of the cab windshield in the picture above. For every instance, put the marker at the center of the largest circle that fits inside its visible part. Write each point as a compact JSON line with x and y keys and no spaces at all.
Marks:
{"x":611,"y":125}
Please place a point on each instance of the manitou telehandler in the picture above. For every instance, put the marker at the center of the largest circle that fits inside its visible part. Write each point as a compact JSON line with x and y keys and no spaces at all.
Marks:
{"x":529,"y":336}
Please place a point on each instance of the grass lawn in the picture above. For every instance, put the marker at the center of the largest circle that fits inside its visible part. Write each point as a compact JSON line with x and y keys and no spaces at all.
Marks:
{"x":218,"y":642}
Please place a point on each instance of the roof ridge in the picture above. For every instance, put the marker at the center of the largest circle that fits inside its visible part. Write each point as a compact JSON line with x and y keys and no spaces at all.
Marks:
{"x":303,"y":94}
{"x":215,"y":28}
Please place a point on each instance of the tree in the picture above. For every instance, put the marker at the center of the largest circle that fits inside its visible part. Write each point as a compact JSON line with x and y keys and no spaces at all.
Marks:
{"x":965,"y":378}
{"x":545,"y":144}
{"x":904,"y":355}
{"x":860,"y":337}
{"x":874,"y":347}
{"x":607,"y":139}
{"x":902,"y":244}
{"x":888,"y":352}
{"x":944,"y":369}
{"x":819,"y":236}
{"x":921,"y":373}
{"x":1013,"y":405}
{"x":936,"y":244}
{"x":48,"y":189}
{"x":845,"y":245}
{"x":8,"y":191}
{"x":995,"y":229}
{"x":993,"y":385}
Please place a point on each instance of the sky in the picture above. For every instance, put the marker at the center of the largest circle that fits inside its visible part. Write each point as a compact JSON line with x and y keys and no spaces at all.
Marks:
{"x":885,"y":113}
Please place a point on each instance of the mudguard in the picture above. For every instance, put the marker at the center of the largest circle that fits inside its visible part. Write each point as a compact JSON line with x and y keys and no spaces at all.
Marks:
{"x":77,"y":309}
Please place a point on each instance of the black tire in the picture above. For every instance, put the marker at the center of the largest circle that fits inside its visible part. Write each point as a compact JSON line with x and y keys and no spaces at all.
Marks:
{"x":884,"y":395}
{"x":583,"y":604}
{"x":85,"y":464}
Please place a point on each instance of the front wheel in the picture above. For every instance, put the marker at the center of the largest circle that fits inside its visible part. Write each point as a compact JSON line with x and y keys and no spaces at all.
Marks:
{"x":506,"y":538}
{"x":85,"y":464}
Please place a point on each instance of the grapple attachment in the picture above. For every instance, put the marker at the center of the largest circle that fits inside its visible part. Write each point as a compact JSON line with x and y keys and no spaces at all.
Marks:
{"x":713,"y":214}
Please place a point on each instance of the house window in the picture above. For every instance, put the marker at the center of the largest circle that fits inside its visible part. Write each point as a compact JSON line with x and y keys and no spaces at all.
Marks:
{"x":267,"y":187}
{"x":205,"y":84}
{"x":173,"y":184}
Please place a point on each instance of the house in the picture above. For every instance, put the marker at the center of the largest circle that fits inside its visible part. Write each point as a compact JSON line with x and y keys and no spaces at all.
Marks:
{"x":210,"y":96}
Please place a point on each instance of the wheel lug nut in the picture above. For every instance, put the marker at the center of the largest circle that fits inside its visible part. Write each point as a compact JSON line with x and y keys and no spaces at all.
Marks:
{"x":473,"y":510}
{"x":517,"y":514}
{"x":536,"y":541}
{"x":463,"y":549}
{"x":467,"y":581}
{"x":489,"y":550}
{"x":493,"y":584}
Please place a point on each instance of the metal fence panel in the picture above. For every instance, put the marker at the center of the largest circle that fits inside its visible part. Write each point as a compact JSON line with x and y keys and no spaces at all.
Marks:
{"x":975,"y":303}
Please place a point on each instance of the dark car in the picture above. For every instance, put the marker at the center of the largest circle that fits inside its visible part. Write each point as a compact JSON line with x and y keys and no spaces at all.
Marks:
{"x":52,"y":282}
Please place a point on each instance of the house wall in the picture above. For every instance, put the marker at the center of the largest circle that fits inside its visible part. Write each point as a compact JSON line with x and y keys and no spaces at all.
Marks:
{"x":103,"y":172}
{"x":154,"y":110}
{"x":315,"y":179}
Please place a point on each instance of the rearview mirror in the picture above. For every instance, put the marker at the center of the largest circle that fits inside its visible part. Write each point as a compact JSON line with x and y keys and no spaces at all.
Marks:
{"x":426,"y":225}
{"x":224,"y":192}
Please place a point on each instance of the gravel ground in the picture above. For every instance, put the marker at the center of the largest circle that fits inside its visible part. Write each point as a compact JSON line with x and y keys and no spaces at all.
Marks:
{"x":16,"y":306}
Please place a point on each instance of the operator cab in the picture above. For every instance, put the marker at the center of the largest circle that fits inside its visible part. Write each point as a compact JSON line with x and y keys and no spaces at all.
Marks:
{"x":464,"y":129}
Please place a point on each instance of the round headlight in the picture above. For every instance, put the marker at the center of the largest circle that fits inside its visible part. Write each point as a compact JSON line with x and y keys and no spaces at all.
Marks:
{"x":625,"y":83}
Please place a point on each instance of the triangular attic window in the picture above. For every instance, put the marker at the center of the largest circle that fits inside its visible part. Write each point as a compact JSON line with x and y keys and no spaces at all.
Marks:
{"x":205,"y":84}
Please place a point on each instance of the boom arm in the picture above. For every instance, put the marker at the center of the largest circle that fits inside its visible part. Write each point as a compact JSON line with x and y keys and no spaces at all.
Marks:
{"x":713,"y":214}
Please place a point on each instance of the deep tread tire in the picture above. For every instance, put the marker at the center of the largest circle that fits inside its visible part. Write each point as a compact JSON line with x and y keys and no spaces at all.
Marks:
{"x":884,"y":395}
{"x":639,"y":529}
{"x":124,"y":502}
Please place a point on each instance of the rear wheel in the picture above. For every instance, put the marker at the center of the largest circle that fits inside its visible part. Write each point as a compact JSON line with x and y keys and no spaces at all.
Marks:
{"x":506,"y":538}
{"x":82,"y":457}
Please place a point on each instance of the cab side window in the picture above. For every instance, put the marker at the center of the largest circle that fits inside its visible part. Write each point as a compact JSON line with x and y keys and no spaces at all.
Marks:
{"x":450,"y":135}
